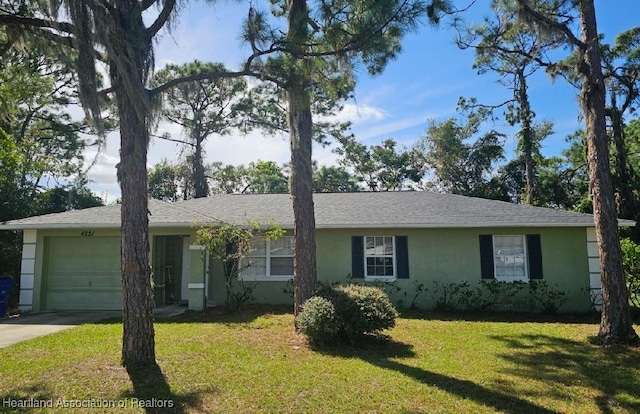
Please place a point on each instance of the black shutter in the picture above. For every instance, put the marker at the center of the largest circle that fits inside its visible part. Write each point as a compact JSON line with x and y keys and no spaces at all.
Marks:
{"x":357,"y":257}
{"x":534,"y":248}
{"x":486,"y":256}
{"x":402,"y":257}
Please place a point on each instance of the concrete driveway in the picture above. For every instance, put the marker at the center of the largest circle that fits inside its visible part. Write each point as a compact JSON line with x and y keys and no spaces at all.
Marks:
{"x":22,"y":327}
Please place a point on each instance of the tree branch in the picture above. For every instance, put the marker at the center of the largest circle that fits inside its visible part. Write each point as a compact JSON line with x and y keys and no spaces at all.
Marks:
{"x":164,"y":15}
{"x":39,"y":26}
{"x":552,"y":24}
{"x":145,"y":4}
{"x":166,"y":138}
{"x":13,"y":20}
{"x":212,"y":76}
{"x":267,"y":125}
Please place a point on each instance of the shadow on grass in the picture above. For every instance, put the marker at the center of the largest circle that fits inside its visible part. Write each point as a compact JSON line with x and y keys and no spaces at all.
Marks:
{"x":611,"y":371}
{"x":497,"y":316}
{"x":384,"y":353}
{"x":249,"y":313}
{"x":223,"y":314}
{"x":33,"y":398}
{"x":152,"y":392}
{"x":110,"y":321}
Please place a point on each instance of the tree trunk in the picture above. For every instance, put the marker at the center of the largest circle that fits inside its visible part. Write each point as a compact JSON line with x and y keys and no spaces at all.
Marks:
{"x":301,"y":178}
{"x":138,"y":340}
{"x":527,"y":138}
{"x":616,"y":324}
{"x":137,"y":297}
{"x":301,"y":187}
{"x":200,"y":184}
{"x":624,"y":187}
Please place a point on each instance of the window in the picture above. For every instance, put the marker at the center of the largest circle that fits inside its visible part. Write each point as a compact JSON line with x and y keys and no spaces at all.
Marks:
{"x":268,"y":260}
{"x":380,"y":257}
{"x":509,"y":258}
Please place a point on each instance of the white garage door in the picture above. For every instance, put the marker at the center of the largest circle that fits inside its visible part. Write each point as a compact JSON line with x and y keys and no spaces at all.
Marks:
{"x":82,"y":273}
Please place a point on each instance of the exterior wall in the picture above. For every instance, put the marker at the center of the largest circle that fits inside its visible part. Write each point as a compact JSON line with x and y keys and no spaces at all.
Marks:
{"x":264,"y":292}
{"x":197,"y":278}
{"x":594,"y":268}
{"x":435,"y":255}
{"x":216,"y":290}
{"x":445,"y":256}
{"x":28,"y":270}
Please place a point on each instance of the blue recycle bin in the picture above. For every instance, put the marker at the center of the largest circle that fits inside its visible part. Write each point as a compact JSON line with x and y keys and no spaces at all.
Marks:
{"x":5,"y":289}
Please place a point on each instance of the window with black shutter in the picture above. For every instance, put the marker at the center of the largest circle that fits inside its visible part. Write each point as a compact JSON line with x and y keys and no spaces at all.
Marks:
{"x":380,"y":257}
{"x":510,"y":257}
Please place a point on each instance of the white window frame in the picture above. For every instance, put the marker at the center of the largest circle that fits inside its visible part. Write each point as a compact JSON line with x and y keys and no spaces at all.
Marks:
{"x":374,"y":278}
{"x":267,"y":256}
{"x":525,"y":258}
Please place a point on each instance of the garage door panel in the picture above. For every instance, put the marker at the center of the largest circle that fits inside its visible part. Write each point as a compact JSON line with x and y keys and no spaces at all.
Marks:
{"x":83,"y":273}
{"x":105,"y":280}
{"x":79,"y":264}
{"x":79,"y":246}
{"x":58,"y":265}
{"x":68,"y":300}
{"x":80,"y":281}
{"x":58,"y":281}
{"x":106,"y":264}
{"x":106,"y":299}
{"x":106,"y":248}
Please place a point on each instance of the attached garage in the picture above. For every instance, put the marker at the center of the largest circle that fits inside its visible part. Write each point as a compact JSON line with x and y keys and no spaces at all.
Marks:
{"x":82,"y":273}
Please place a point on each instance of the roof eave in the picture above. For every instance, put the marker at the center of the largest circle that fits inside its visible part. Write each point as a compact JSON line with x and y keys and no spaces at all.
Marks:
{"x":446,"y":225}
{"x":58,"y":226}
{"x":61,"y":226}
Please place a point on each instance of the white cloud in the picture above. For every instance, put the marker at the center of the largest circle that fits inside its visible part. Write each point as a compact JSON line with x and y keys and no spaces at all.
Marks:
{"x":206,"y":32}
{"x":356,"y":113}
{"x":397,"y":126}
{"x":243,"y":149}
{"x":325,"y":155}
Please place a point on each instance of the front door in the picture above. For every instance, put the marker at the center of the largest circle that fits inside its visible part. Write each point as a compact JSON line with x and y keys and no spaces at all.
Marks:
{"x":167,"y":269}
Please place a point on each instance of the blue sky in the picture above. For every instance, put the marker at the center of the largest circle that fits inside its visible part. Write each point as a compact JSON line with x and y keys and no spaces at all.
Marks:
{"x":423,"y":84}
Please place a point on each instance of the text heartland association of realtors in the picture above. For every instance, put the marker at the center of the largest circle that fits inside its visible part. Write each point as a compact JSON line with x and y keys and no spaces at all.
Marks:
{"x":88,"y":403}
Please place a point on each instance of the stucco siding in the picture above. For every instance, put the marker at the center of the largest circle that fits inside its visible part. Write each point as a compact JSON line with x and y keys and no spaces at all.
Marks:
{"x":449,"y":255}
{"x":435,"y":255}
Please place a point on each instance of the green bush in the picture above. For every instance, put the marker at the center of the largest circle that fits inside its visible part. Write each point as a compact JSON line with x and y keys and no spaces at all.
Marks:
{"x":346,"y":313}
{"x":631,"y":263}
{"x":366,"y":310}
{"x":551,"y":298}
{"x":493,"y":294}
{"x":318,"y":319}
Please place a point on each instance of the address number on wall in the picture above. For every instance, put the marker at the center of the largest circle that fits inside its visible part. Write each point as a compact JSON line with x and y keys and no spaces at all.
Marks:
{"x":87,"y":233}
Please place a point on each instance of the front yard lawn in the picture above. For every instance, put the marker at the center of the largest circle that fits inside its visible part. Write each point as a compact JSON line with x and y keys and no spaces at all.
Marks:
{"x":254,"y":362}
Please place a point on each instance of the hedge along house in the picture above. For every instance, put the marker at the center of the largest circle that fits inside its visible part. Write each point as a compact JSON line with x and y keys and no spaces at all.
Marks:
{"x":71,"y":260}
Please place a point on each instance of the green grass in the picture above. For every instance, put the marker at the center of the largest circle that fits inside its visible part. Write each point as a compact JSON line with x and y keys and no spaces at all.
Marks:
{"x":254,"y":362}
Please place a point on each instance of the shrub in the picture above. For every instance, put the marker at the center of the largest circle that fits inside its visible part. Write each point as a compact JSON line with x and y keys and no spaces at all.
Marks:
{"x":347,"y":313}
{"x":446,"y":295}
{"x":549,"y":297}
{"x":365,"y":310}
{"x":631,"y":263}
{"x":485,"y":295}
{"x":418,"y":289}
{"x":318,"y":320}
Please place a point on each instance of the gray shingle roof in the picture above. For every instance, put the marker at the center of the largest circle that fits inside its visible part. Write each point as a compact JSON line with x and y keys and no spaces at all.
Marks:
{"x":335,"y":210}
